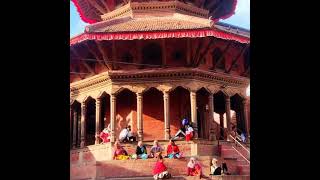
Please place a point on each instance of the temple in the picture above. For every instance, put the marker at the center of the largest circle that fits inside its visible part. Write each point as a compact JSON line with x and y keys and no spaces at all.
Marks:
{"x":149,"y":64}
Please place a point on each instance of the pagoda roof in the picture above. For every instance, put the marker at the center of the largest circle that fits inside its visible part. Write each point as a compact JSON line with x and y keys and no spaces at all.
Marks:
{"x":92,"y":11}
{"x":198,"y":33}
{"x":150,"y":23}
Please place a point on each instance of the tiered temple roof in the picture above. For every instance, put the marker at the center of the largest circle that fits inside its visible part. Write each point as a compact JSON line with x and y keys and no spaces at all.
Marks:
{"x":91,"y":11}
{"x":158,"y":19}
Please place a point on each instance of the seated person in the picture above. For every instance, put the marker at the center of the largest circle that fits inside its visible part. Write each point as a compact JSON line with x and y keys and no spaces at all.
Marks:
{"x":126,"y":135}
{"x":224,"y":169}
{"x":182,"y":130}
{"x":194,"y":168}
{"x":119,"y":152}
{"x":155,"y":150}
{"x":189,"y":133}
{"x":160,"y":170}
{"x":173,"y":150}
{"x":141,"y":151}
{"x":105,"y":135}
{"x":243,"y":137}
{"x":214,"y":168}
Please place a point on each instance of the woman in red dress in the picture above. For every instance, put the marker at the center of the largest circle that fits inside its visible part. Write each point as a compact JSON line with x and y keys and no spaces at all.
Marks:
{"x":194,"y":168}
{"x":173,"y":150}
{"x":160,"y":170}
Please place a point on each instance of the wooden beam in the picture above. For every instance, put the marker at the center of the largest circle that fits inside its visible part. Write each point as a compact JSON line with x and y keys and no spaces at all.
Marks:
{"x":164,"y":57}
{"x":188,"y":52}
{"x":103,"y":51}
{"x":205,"y":51}
{"x":246,"y":73}
{"x":222,"y":55}
{"x":82,"y":62}
{"x":114,"y":55}
{"x":203,"y":3}
{"x":97,"y":6}
{"x":237,"y":57}
{"x":96,"y":54}
{"x":139,"y":52}
{"x":195,"y":57}
{"x":105,"y":5}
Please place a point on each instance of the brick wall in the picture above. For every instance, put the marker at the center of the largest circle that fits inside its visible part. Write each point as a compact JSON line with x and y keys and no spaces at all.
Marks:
{"x":153,"y":117}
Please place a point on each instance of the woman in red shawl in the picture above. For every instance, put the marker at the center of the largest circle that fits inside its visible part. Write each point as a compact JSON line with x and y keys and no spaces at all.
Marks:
{"x":160,"y":170}
{"x":119,"y":152}
{"x":173,"y":150}
{"x":194,"y":168}
{"x":105,"y":134}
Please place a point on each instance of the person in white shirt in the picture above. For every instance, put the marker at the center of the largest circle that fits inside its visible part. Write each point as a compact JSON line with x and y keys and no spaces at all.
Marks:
{"x":126,"y":135}
{"x":189,"y":133}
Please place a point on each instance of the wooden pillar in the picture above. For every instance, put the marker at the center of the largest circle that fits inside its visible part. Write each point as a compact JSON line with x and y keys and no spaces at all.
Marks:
{"x":139,"y":116}
{"x":193,"y":102}
{"x":113,"y":111}
{"x":212,"y":133}
{"x":71,"y":130}
{"x":245,"y":115}
{"x":83,"y":124}
{"x":98,"y":119}
{"x":221,"y":125}
{"x":164,"y":57}
{"x":79,"y":128}
{"x":166,"y":102}
{"x":75,"y":120}
{"x":228,"y":113}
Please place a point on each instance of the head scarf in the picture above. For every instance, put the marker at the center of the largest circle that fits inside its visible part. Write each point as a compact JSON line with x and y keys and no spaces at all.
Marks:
{"x":192,"y":162}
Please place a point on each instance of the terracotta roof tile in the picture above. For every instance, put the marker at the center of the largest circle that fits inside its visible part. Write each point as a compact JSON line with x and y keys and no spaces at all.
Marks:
{"x":152,"y":24}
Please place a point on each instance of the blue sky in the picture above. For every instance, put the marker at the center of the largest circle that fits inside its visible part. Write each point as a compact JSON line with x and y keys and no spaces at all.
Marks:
{"x":241,"y":18}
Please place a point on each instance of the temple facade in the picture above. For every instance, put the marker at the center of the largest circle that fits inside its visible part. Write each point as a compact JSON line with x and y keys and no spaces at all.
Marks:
{"x":149,"y":64}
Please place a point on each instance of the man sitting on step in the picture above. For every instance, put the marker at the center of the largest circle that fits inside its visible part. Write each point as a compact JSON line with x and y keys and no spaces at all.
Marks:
{"x":182,"y":130}
{"x":126,"y":135}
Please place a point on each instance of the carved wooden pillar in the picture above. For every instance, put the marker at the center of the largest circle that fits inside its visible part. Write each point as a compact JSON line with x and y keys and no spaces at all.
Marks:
{"x":193,"y":102}
{"x":71,"y":134}
{"x":139,"y":116}
{"x":75,"y":120}
{"x":245,"y":115}
{"x":83,"y":124}
{"x":98,"y":119}
{"x":212,"y":135}
{"x":228,"y":113}
{"x":221,"y":125}
{"x":79,"y":128}
{"x":166,"y":102}
{"x":113,"y":111}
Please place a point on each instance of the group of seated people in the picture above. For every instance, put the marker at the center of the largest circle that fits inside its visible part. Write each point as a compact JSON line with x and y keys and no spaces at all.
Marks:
{"x":126,"y":135}
{"x":141,"y":151}
{"x":160,"y":170}
{"x":156,"y":151}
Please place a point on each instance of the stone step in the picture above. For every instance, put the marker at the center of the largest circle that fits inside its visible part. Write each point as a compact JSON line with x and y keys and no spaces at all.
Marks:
{"x":223,"y":177}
